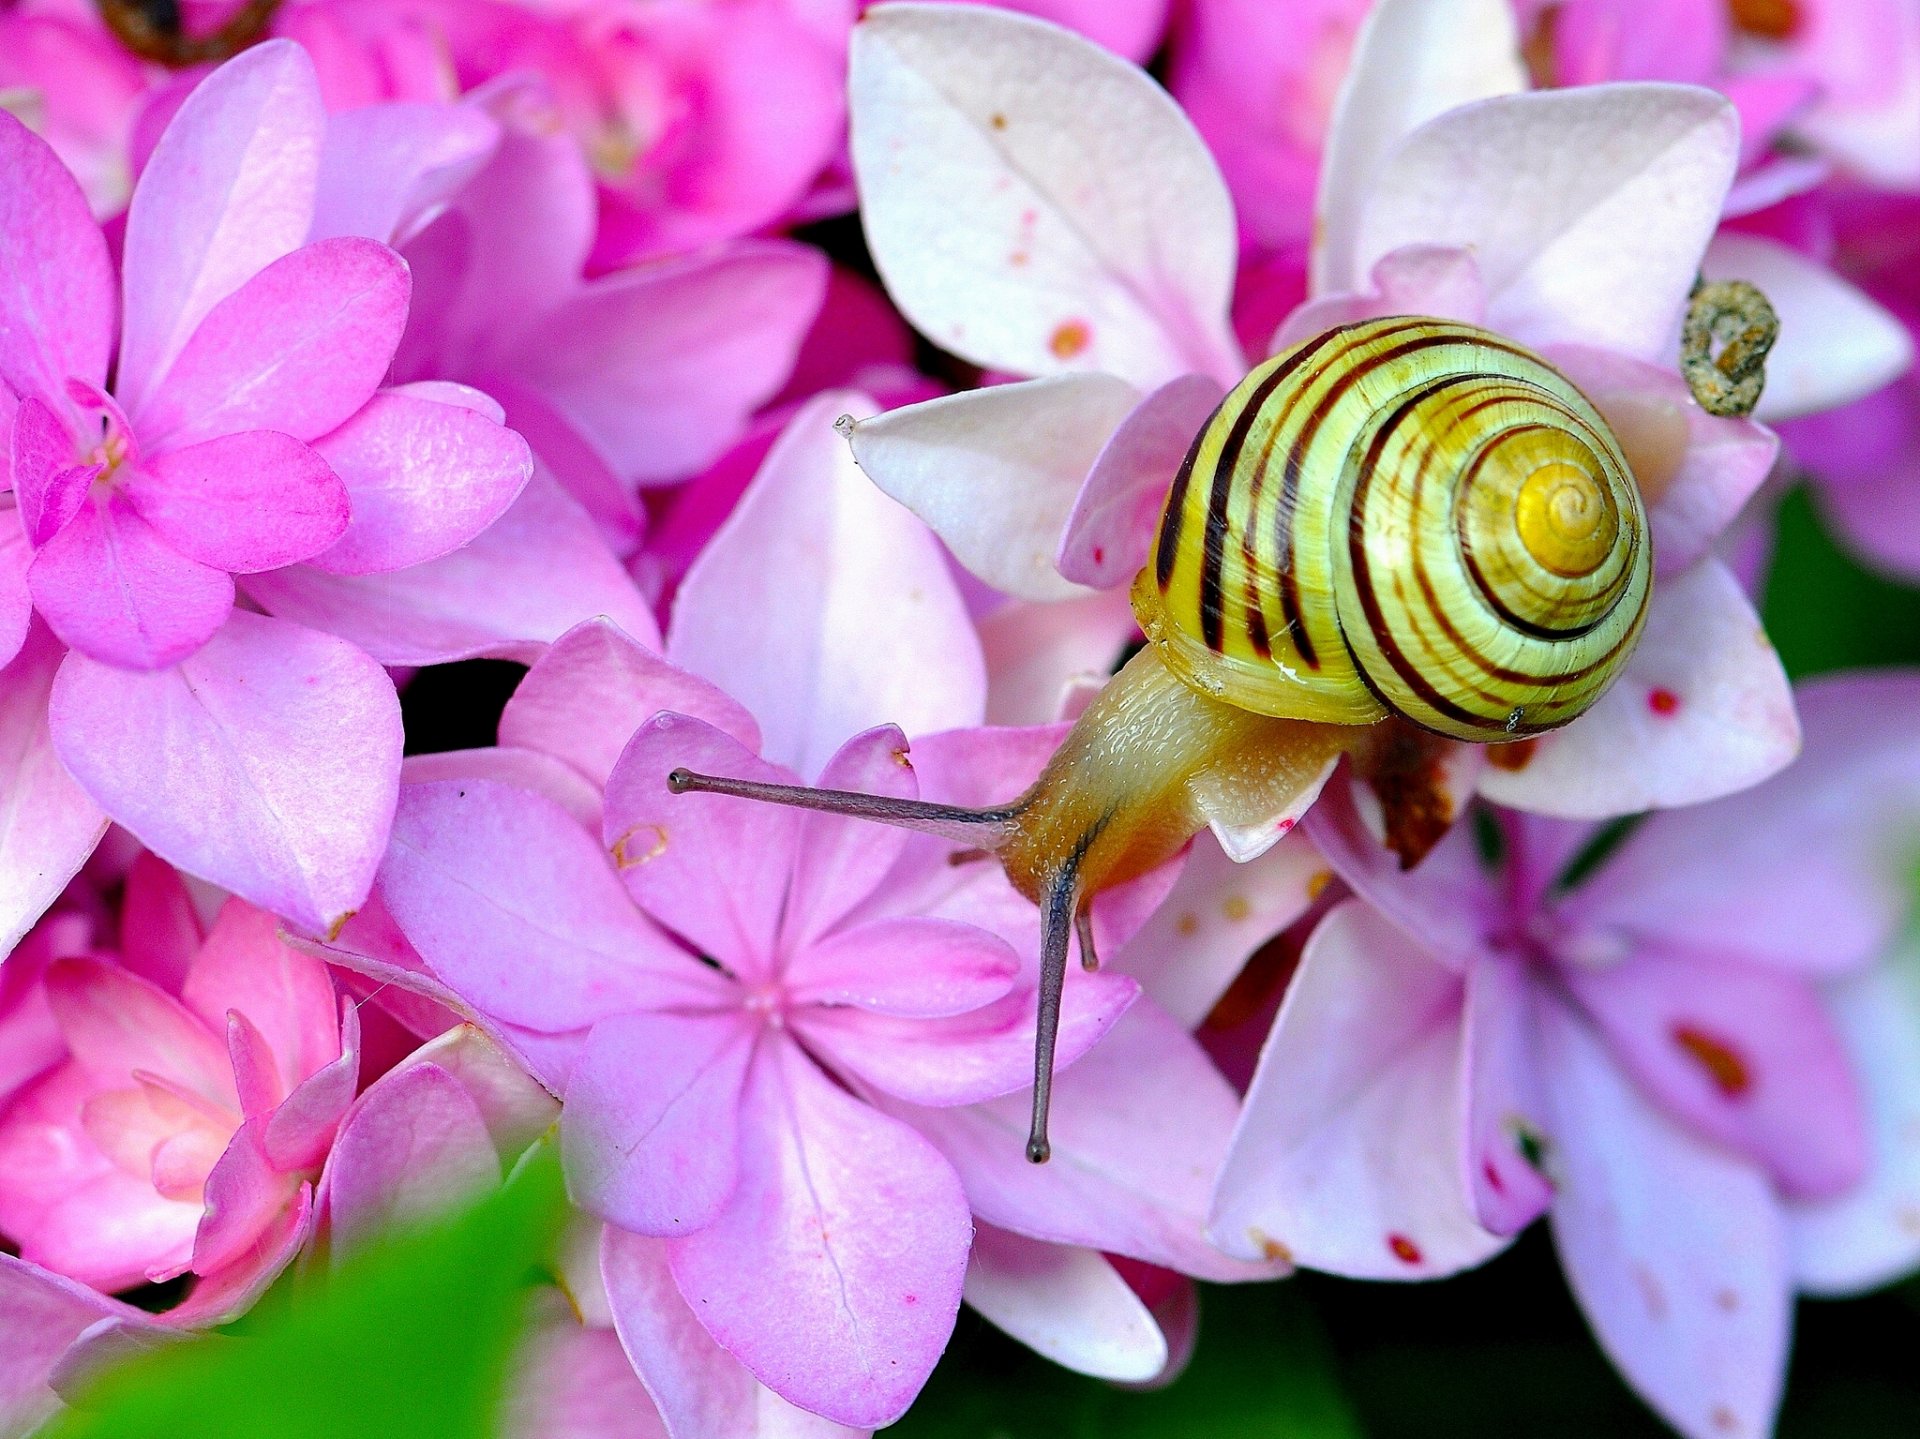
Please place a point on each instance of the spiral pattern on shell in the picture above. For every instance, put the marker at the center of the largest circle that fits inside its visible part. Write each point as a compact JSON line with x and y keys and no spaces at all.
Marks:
{"x":1406,"y":516}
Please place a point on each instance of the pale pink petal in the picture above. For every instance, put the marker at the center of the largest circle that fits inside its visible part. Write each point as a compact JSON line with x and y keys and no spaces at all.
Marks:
{"x":650,"y":1134}
{"x":423,"y":479}
{"x":909,"y":966}
{"x":297,"y":348}
{"x":48,"y":824}
{"x":1695,"y":470}
{"x":710,"y":867}
{"x":1413,"y":61}
{"x":57,"y":300}
{"x":110,"y":586}
{"x":41,"y":1316}
{"x":414,"y":1147}
{"x":1701,"y":710}
{"x":702,"y":1390}
{"x":1217,"y":915}
{"x":1808,"y":871}
{"x":581,"y":699}
{"x":575,"y":462}
{"x":1041,"y":653}
{"x":1836,"y":345}
{"x":16,"y":602}
{"x":824,"y":607}
{"x":1139,"y":1128}
{"x":267,"y":763}
{"x":227,"y":191}
{"x":1871,"y":1234}
{"x":1015,"y":246}
{"x":1867,"y":58}
{"x":1506,"y":1124}
{"x":572,"y":1382}
{"x":48,"y":487}
{"x":516,"y":1108}
{"x":250,"y":501}
{"x":244,"y":965}
{"x":519,"y":768}
{"x":996,"y":472}
{"x":1109,"y":532}
{"x":1742,"y":1053}
{"x":1587,"y":209}
{"x":1675,"y":1249}
{"x":659,"y":368}
{"x":1441,"y":280}
{"x":964,"y":1058}
{"x":835,"y":1272}
{"x":513,"y":904}
{"x":115,"y":1023}
{"x":841,"y":860}
{"x":1065,"y":1304}
{"x":537,"y":571}
{"x":1350,"y":1155}
{"x":385,"y":167}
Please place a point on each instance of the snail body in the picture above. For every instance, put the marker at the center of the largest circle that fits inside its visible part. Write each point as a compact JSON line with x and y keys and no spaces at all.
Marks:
{"x":1400,"y":517}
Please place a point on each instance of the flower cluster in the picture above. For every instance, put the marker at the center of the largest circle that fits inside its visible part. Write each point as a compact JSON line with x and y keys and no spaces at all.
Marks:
{"x":342,"y":339}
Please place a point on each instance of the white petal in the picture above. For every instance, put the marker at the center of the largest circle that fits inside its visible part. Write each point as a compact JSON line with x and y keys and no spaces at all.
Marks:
{"x":1036,"y":204}
{"x":1065,"y":1303}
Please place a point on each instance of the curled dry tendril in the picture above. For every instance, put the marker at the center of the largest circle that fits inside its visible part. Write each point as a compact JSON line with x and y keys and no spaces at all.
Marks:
{"x":1724,"y":341}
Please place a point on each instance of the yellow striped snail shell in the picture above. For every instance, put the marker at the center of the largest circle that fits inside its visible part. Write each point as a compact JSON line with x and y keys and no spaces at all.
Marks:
{"x":1402,"y":516}
{"x":1406,"y":517}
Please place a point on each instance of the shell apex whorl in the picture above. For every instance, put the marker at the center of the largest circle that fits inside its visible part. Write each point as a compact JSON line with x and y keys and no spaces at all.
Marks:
{"x":1402,"y":516}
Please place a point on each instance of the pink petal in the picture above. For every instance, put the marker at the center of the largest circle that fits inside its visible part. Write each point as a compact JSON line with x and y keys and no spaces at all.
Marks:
{"x":1131,"y":28}
{"x":267,"y":763}
{"x":1050,"y":256}
{"x":256,"y":1074}
{"x":1807,"y":871}
{"x":159,"y":927}
{"x":910,"y":966}
{"x":1696,"y":471}
{"x":579,"y":697}
{"x":701,"y":1389}
{"x":1836,"y":344}
{"x":650,"y":1134}
{"x":48,"y":824}
{"x":299,"y":1133}
{"x":1413,"y":61}
{"x":537,"y":571}
{"x":1065,"y":1304}
{"x":1701,"y":710}
{"x":968,"y":1057}
{"x":57,"y":300}
{"x":840,"y":860}
{"x":1743,"y":1054}
{"x":514,"y":905}
{"x":16,"y":603}
{"x":1675,"y":1249}
{"x":1042,"y":654}
{"x":415,"y":1146}
{"x":573,"y":1382}
{"x":112,"y":587}
{"x":229,"y":1291}
{"x":1865,"y":1238}
{"x":825,"y":608}
{"x":423,"y":479}
{"x":1587,"y":210}
{"x":575,"y":462}
{"x":246,"y":1194}
{"x":115,"y":1024}
{"x":1139,"y":1128}
{"x":1441,"y":280}
{"x":660,"y":368}
{"x":297,"y":348}
{"x":516,"y":1109}
{"x":41,"y":1316}
{"x":835,"y":1272}
{"x":1351,"y":1153}
{"x":996,"y":472}
{"x":1217,"y":915}
{"x":48,"y":486}
{"x":672,"y":850}
{"x":385,"y":166}
{"x":256,"y":500}
{"x":1110,"y":531}
{"x":227,"y":191}
{"x":518,"y":768}
{"x":1506,"y":1127}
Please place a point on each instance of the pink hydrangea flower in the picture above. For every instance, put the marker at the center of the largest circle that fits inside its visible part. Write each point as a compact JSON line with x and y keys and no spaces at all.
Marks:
{"x":1699,"y":1062}
{"x":197,"y":1088}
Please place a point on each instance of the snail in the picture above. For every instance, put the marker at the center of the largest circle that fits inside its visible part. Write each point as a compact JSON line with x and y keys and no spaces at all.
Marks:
{"x":1398,"y":517}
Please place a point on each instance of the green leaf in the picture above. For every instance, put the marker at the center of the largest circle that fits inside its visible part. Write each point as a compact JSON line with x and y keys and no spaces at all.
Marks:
{"x":1262,"y":1371}
{"x":1823,"y":610}
{"x":408,"y":1339}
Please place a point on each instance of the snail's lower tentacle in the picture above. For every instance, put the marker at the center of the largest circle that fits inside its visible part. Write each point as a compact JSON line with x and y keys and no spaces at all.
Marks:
{"x":1057,"y":911}
{"x":1729,"y":328}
